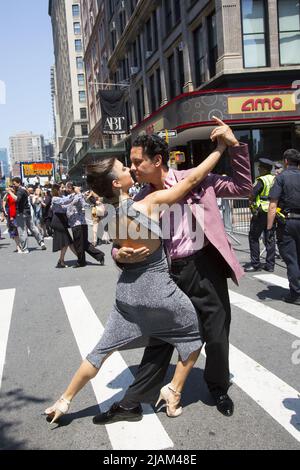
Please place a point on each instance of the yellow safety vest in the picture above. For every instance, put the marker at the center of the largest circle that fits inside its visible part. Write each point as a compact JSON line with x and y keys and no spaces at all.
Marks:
{"x":262,"y":199}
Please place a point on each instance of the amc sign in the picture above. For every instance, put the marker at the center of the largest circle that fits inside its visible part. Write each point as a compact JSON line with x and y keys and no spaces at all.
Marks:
{"x":261,"y":104}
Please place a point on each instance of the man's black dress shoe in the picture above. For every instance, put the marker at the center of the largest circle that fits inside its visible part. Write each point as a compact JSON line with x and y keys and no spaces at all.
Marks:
{"x":225,"y":405}
{"x":252,"y":269}
{"x":117,"y":413}
{"x":268,"y":268}
{"x":78,"y":265}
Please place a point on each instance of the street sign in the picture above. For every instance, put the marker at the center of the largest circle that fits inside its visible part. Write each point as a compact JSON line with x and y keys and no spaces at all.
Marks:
{"x":167,"y":133}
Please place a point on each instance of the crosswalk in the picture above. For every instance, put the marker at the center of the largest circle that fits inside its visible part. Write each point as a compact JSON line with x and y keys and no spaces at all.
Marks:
{"x":278,"y":399}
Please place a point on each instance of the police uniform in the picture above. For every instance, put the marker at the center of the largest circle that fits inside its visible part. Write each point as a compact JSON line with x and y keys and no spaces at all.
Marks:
{"x":286,"y":190}
{"x":259,"y":220}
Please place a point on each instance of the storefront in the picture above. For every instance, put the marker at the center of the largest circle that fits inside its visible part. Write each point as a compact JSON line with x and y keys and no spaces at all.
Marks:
{"x":267,"y":118}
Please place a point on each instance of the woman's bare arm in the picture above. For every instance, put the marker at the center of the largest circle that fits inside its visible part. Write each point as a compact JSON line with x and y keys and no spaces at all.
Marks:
{"x":182,"y":188}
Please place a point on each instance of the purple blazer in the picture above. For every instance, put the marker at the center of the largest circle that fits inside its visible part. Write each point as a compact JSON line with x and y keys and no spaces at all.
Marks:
{"x":213,"y":186}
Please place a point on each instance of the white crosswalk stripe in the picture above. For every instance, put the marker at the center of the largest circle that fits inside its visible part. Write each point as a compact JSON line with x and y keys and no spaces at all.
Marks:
{"x":264,"y":312}
{"x":267,"y":390}
{"x":277,"y":398}
{"x":146,"y":434}
{"x":7,"y":297}
{"x":273,"y":279}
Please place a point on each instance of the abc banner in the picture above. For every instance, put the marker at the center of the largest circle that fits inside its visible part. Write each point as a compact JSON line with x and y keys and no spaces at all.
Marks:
{"x":113,"y":112}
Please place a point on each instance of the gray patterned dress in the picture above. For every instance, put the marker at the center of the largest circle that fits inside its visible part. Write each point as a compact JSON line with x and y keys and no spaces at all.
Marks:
{"x":148,"y":305}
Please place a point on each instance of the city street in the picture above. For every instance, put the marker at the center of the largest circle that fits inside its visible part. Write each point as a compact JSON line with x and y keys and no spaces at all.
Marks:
{"x":50,"y":318}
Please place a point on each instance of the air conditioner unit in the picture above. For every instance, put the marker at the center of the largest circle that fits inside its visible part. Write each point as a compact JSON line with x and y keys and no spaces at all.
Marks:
{"x":148,"y":54}
{"x":134,"y":70}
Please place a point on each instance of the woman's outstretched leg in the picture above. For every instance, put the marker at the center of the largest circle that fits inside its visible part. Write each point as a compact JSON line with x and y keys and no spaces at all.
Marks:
{"x":171,"y":393}
{"x":83,"y":375}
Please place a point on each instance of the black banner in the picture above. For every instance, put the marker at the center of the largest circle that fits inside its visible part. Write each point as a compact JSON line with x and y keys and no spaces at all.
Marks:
{"x":113,"y":112}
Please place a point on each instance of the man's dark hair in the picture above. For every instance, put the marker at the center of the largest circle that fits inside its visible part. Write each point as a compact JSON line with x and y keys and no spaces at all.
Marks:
{"x":16,"y":179}
{"x":153,"y":145}
{"x":292,"y":156}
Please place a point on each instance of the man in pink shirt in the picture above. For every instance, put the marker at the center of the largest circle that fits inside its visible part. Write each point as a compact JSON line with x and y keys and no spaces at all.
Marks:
{"x":200,"y":269}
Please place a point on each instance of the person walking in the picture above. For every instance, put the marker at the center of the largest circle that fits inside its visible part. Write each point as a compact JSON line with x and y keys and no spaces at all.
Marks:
{"x":23,"y":217}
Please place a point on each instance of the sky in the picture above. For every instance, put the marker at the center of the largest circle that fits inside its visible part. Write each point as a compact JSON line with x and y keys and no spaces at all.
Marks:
{"x":26,"y":55}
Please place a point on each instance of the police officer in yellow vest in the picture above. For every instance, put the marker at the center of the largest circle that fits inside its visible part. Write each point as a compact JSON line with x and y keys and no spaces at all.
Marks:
{"x":259,"y":204}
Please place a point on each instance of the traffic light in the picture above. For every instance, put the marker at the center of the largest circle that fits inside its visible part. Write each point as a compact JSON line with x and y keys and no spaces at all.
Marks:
{"x":177,"y":157}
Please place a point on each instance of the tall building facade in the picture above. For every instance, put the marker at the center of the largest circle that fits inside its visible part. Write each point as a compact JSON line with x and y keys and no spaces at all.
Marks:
{"x":4,"y":165}
{"x":187,"y":60}
{"x":68,"y":80}
{"x":26,"y":147}
{"x":55,"y":111}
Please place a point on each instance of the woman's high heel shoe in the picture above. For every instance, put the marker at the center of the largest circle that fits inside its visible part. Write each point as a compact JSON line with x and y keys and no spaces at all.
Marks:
{"x":61,"y":407}
{"x":172,"y":400}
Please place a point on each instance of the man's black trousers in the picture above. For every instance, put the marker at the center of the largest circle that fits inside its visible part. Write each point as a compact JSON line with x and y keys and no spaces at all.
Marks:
{"x":288,"y":237}
{"x":258,"y":226}
{"x":82,"y":245}
{"x":204,"y":280}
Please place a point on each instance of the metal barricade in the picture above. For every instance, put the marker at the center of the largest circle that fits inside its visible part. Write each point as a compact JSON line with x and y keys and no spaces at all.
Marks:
{"x":236,"y":216}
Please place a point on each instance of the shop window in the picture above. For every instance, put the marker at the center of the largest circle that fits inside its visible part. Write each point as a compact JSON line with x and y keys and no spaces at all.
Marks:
{"x":289,"y":31}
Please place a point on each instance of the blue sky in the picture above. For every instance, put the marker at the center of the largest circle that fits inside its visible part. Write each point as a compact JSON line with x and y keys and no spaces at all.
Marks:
{"x":26,"y":55}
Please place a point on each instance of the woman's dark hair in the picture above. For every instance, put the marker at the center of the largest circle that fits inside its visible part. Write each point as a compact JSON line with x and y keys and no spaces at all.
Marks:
{"x":55,"y":190}
{"x":153,"y":145}
{"x":100,"y":177}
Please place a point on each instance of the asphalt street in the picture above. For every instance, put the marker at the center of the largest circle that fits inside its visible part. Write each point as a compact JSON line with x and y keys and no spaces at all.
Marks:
{"x":50,"y":316}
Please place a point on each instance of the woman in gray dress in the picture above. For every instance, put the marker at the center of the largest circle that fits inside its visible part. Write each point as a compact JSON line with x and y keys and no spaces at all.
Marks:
{"x":148,"y":302}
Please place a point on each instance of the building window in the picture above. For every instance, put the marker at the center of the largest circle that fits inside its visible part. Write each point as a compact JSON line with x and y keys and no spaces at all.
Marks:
{"x":152,"y":94}
{"x":113,"y":39}
{"x":122,"y":21}
{"x":148,"y":36}
{"x":155,"y":31}
{"x":199,"y":56}
{"x":168,"y":15}
{"x":83,"y":113}
{"x":181,"y":69}
{"x":77,"y":28}
{"x":78,"y":45}
{"x":138,"y":106}
{"x":289,"y":31}
{"x":82,"y":96}
{"x":212,"y":43}
{"x":158,"y":85}
{"x":254,"y":33}
{"x":79,"y":63}
{"x":76,"y":11}
{"x":177,"y":11}
{"x":81,"y":80}
{"x":84,"y":129}
{"x":172,"y":76}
